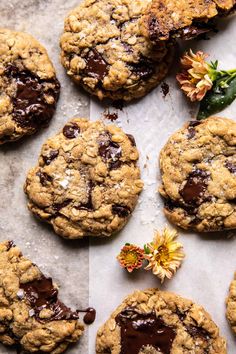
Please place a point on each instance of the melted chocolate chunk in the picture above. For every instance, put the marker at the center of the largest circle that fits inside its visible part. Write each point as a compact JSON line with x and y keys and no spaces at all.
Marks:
{"x":96,"y":66}
{"x":153,"y":27}
{"x":140,"y":330}
{"x":52,"y":155}
{"x":132,"y":140}
{"x":10,"y":245}
{"x":30,"y":108}
{"x":180,"y":314}
{"x":58,"y":206}
{"x":191,"y":128}
{"x":41,"y":294}
{"x":197,"y":332}
{"x":108,"y":149}
{"x":231,"y":167}
{"x":121,"y":210}
{"x":144,"y":68}
{"x":191,"y":32}
{"x":71,"y":131}
{"x":194,"y":188}
{"x":89,"y":204}
{"x":172,"y":204}
{"x":165,"y":88}
{"x":44,"y":178}
{"x":115,"y":165}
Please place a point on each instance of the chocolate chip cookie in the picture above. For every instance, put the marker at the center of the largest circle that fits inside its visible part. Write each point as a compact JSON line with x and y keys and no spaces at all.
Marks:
{"x":231,"y":305}
{"x":198,"y":167}
{"x":186,"y":18}
{"x":154,"y":321}
{"x":87,"y":180}
{"x":29,"y":88}
{"x":32,"y":317}
{"x":103,"y":49}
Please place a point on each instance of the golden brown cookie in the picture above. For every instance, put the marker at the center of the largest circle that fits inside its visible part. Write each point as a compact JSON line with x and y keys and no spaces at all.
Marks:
{"x":29,"y":88}
{"x":198,"y":168}
{"x":32,"y":317}
{"x":231,"y":305}
{"x":182,"y":18}
{"x":103,"y":50}
{"x":87,"y":181}
{"x":154,"y":321}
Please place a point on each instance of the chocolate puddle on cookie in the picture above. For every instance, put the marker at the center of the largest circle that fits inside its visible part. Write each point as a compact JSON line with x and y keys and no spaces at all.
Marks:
{"x":30,"y":108}
{"x":140,"y":330}
{"x":110,"y":151}
{"x":96,"y":66}
{"x":193,"y":190}
{"x":42,"y":295}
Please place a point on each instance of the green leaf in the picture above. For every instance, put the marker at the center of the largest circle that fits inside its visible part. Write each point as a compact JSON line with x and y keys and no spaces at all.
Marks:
{"x":217,"y":99}
{"x":146,"y":249}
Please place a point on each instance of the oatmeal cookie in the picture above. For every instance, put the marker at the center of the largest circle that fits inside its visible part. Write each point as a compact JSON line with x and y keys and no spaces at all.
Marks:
{"x":198,"y":167}
{"x":154,"y":321}
{"x":103,"y":50}
{"x":181,"y":18}
{"x":231,"y":305}
{"x":29,"y":88}
{"x":87,"y":180}
{"x":31,"y":316}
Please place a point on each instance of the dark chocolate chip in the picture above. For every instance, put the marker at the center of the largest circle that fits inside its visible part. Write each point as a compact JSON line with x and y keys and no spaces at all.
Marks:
{"x":108,"y":149}
{"x":71,"y":130}
{"x":172,"y":204}
{"x":30,"y":108}
{"x":141,"y":330}
{"x":89,"y":205}
{"x":165,"y":88}
{"x":121,"y":210}
{"x":197,"y":332}
{"x":191,"y":128}
{"x":153,"y":28}
{"x":96,"y":66}
{"x":191,"y":32}
{"x":41,"y":294}
{"x":132,"y":140}
{"x":90,"y":315}
{"x":230,"y":166}
{"x":194,"y":188}
{"x":44,"y":177}
{"x":58,"y":206}
{"x":181,"y":314}
{"x":10,"y":245}
{"x":144,"y":68}
{"x":52,"y":155}
{"x":114,"y":165}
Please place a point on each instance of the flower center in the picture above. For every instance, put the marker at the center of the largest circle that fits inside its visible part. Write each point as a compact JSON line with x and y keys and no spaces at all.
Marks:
{"x":131,"y":257}
{"x":163,"y":256}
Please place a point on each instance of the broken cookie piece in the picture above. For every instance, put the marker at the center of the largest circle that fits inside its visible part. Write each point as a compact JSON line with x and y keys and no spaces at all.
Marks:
{"x":185,"y":19}
{"x":31,"y":315}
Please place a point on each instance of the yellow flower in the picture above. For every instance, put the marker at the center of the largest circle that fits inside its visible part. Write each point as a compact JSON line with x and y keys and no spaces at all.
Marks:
{"x":164,"y":254}
{"x":195,"y":78}
{"x":131,"y":257}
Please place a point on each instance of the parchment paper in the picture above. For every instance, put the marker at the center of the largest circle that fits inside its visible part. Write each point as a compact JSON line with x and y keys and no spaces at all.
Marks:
{"x":87,"y":271}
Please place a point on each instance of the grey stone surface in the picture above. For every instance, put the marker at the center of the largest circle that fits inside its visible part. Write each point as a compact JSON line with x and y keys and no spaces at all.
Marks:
{"x":65,"y":261}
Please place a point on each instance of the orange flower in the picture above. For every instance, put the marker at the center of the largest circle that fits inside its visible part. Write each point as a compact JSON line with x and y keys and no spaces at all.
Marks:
{"x":131,"y":257}
{"x":196,"y":77}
